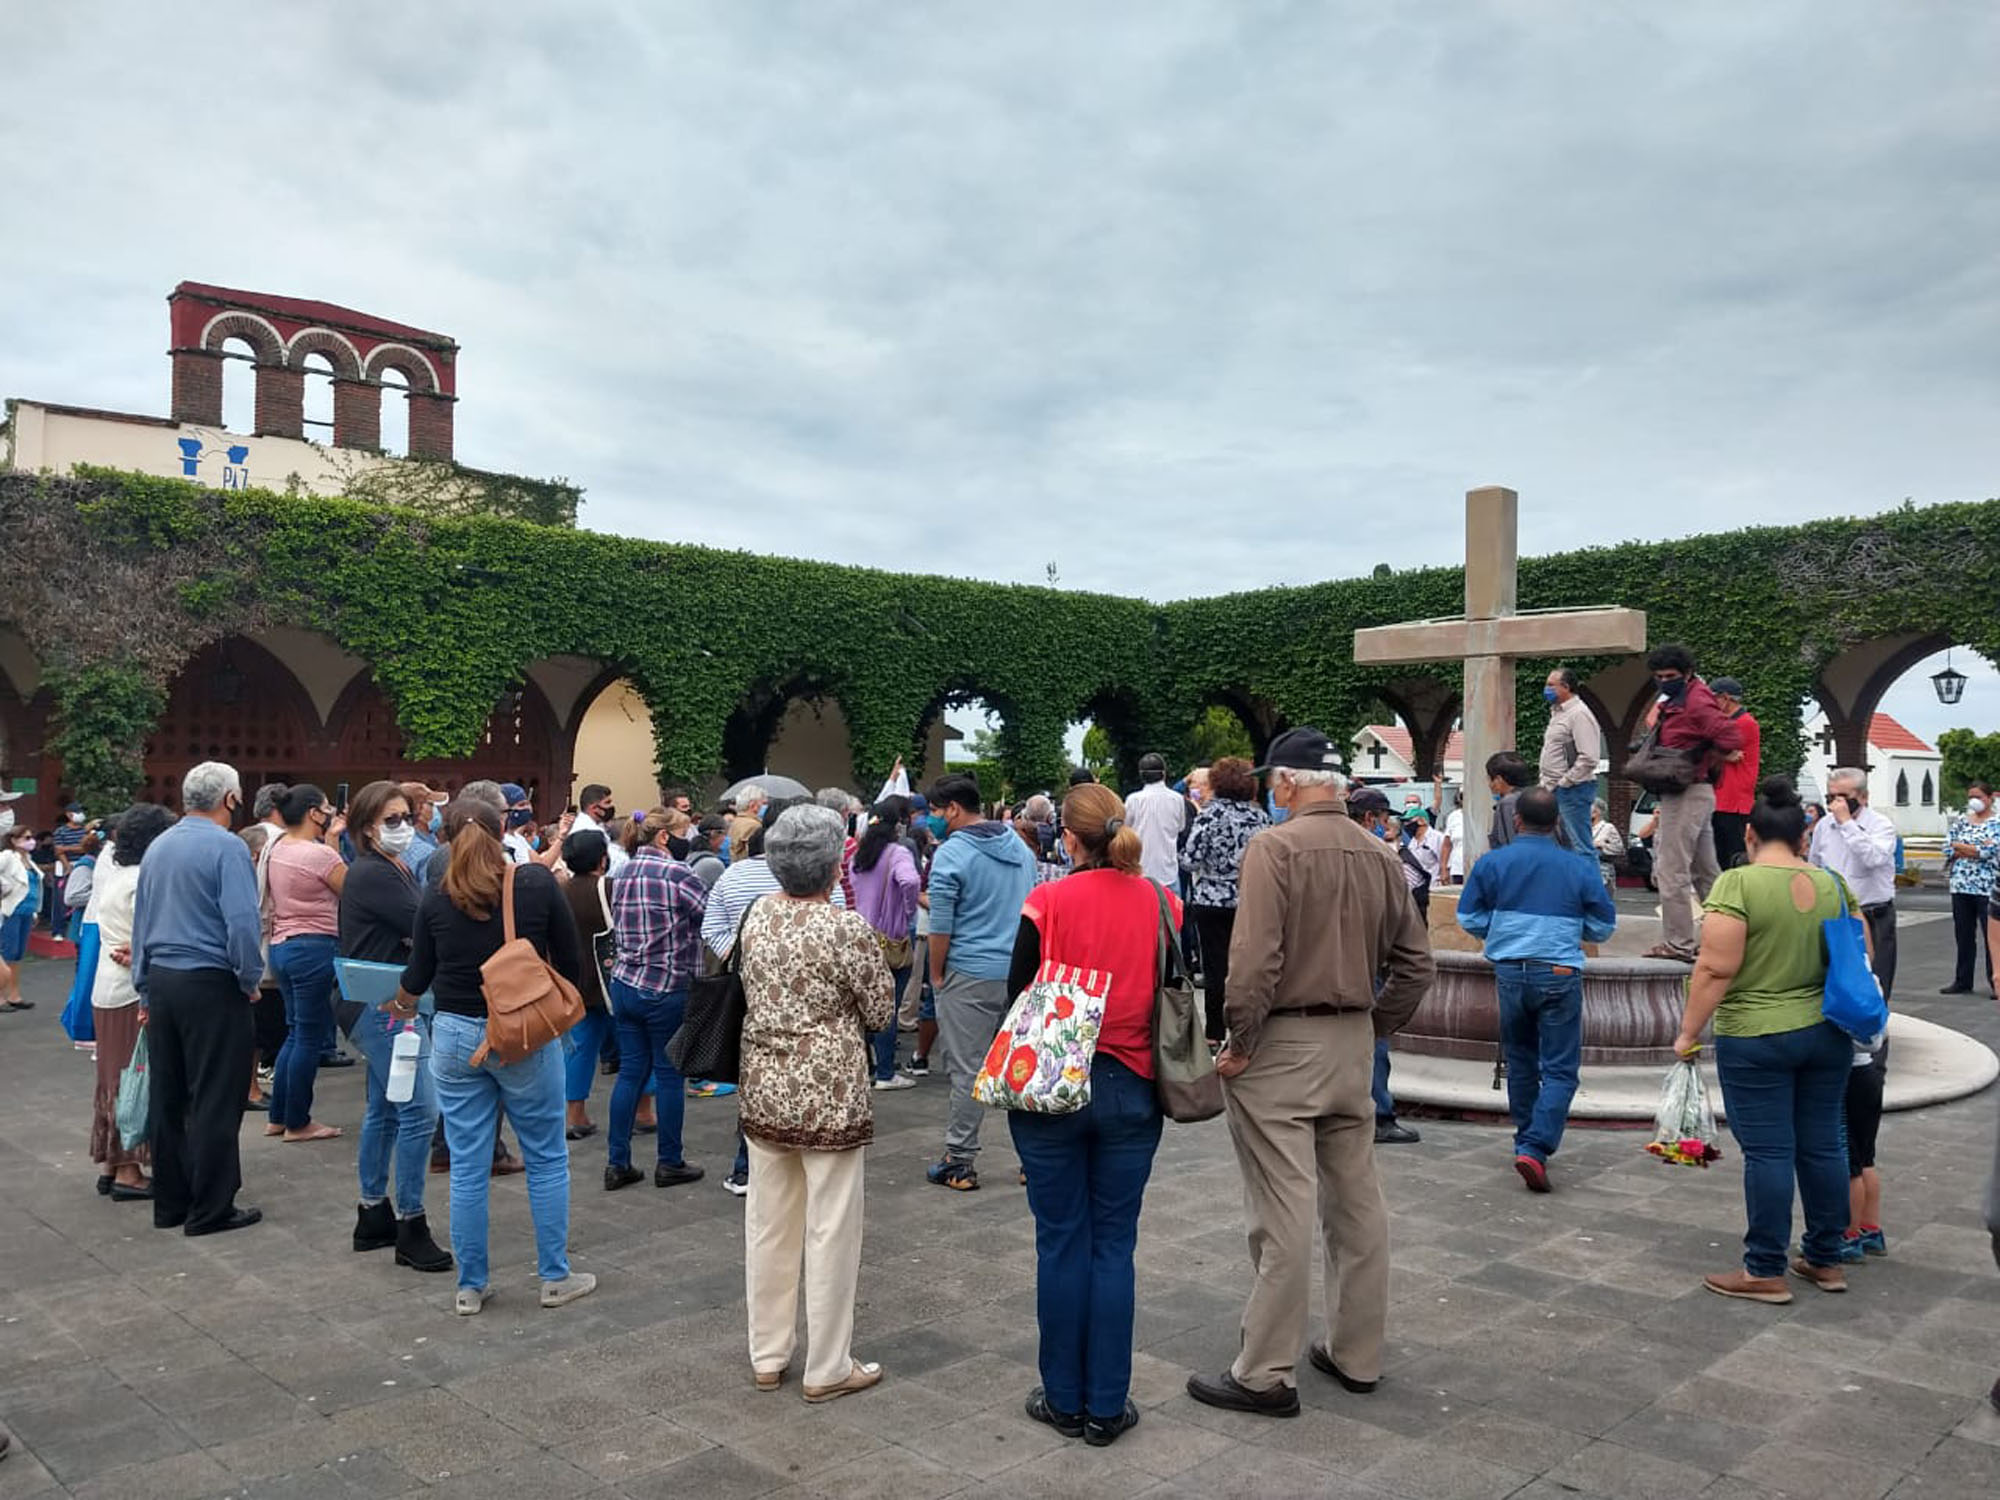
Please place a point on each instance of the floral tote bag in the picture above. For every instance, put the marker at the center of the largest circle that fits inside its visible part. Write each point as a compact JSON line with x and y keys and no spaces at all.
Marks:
{"x":1040,"y":1060}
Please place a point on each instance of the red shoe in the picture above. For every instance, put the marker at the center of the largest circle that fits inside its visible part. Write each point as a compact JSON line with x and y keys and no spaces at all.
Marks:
{"x":1533,"y":1173}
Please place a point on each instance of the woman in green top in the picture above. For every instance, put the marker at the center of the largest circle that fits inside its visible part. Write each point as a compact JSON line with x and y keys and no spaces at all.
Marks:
{"x":1762,"y":976}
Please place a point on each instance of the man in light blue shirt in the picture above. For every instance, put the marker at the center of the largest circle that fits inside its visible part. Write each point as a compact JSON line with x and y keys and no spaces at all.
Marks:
{"x":1536,"y":904}
{"x":196,"y":963}
{"x":980,"y":879}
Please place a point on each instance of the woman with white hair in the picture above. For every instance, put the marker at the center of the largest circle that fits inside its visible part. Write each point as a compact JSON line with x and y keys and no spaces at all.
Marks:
{"x":815,"y":984}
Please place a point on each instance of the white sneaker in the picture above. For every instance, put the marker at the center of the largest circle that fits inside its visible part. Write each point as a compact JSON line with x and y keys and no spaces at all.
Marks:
{"x":895,"y":1081}
{"x":576,"y":1284}
{"x":471,"y":1299}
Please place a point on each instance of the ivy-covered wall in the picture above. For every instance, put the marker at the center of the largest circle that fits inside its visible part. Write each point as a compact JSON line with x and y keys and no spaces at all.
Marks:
{"x":121,"y":578}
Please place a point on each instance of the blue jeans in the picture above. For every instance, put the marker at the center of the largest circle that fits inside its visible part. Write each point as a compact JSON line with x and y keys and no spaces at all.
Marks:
{"x":1783,"y":1094}
{"x":471,"y":1100}
{"x":647,"y":1021}
{"x":1385,"y":1102}
{"x":1086,"y":1176}
{"x":1541,"y":1031}
{"x":394,"y":1133}
{"x":884,"y":1041}
{"x":1573,"y":805}
{"x":14,"y":933}
{"x":304,"y":966}
{"x":583,"y":1046}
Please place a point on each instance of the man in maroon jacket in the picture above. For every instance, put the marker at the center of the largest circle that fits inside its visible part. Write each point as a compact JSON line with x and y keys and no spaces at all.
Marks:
{"x":1692,"y":722}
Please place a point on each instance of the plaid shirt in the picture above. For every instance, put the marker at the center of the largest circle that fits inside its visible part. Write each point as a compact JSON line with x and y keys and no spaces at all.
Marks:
{"x":656,"y":911}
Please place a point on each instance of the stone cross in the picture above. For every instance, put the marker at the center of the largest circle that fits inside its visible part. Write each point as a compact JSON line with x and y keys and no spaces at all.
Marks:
{"x":1489,"y":638}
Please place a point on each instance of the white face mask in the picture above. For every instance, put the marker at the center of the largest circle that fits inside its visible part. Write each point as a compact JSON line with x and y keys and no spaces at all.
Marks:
{"x":1975,"y":805}
{"x":6,"y":819}
{"x":394,"y":839}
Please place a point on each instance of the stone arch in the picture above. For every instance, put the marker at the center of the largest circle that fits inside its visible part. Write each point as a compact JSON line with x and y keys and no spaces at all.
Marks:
{"x":257,"y":332}
{"x":1850,"y":685}
{"x":523,"y":741}
{"x":337,"y":347}
{"x":612,"y":739}
{"x":1429,"y":708}
{"x":413,"y":364}
{"x":232,"y":701}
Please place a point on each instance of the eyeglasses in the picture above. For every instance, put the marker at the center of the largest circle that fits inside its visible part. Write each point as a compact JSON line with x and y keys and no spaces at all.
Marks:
{"x":395,"y":820}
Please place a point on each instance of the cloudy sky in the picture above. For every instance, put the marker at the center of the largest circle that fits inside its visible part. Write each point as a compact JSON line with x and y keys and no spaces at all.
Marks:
{"x":1183,"y":296}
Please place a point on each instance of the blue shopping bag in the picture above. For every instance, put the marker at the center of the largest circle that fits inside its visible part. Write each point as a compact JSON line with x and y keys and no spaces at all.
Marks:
{"x":135,"y":1098}
{"x":77,"y":1018}
{"x":1853,"y":1000}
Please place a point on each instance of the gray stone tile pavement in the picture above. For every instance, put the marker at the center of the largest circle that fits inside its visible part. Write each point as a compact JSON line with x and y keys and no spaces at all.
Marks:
{"x":1539,"y":1347}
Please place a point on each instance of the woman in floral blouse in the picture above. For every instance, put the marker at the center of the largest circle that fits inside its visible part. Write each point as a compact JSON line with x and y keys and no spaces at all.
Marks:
{"x":815,"y":984}
{"x":1214,"y":858}
{"x":1972,"y":858}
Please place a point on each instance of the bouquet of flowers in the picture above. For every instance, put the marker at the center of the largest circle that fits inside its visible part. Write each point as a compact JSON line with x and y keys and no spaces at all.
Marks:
{"x":1684,"y":1128}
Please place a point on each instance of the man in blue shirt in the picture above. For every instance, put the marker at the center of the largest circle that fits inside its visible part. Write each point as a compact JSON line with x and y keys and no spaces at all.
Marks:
{"x":1536,"y":905}
{"x":980,"y":879}
{"x":196,"y":964}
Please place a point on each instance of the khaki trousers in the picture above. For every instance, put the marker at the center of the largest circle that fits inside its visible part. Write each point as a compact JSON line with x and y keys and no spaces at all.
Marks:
{"x":1684,"y":859}
{"x":1303,"y":1123}
{"x":810,"y":1202}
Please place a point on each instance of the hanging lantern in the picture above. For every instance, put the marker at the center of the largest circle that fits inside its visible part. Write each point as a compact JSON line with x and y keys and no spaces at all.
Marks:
{"x":1950,"y":684}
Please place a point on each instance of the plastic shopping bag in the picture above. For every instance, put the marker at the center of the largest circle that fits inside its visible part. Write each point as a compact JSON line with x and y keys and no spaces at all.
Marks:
{"x":135,"y":1097}
{"x":1684,"y":1128}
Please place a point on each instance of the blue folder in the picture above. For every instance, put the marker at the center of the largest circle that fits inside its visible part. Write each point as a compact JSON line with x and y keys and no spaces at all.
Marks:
{"x":372,"y":985}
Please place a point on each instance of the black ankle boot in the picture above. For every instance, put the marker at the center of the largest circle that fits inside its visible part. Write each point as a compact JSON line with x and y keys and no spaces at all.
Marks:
{"x":375,"y":1226}
{"x":416,"y":1249}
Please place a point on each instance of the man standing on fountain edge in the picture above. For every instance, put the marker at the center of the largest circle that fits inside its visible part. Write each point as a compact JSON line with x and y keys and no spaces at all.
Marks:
{"x":1323,"y":914}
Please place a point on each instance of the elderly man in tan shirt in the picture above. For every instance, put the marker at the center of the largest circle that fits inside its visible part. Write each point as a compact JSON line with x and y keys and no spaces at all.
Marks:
{"x":1332,"y":954}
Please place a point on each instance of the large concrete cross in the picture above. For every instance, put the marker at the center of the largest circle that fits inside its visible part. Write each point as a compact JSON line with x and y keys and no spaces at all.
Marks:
{"x":1489,"y":638}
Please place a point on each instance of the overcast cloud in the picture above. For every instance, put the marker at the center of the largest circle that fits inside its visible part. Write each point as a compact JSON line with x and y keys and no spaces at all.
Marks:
{"x":1187,"y":297}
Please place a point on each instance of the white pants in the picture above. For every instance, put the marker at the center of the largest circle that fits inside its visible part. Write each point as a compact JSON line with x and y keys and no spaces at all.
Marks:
{"x":806,"y":1201}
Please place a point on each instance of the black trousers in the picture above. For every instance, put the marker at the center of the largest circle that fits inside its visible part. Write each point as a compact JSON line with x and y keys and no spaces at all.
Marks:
{"x":268,"y":1018}
{"x":1881,"y":921}
{"x":1214,"y":925}
{"x":1729,"y":848}
{"x":198,"y":1041}
{"x":1968,"y":925}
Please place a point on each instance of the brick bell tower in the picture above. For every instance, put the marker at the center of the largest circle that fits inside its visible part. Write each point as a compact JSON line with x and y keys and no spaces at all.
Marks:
{"x":282,"y":331}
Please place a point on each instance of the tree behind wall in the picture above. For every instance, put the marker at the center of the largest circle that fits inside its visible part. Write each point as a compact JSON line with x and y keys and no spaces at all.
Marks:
{"x":1967,"y":757}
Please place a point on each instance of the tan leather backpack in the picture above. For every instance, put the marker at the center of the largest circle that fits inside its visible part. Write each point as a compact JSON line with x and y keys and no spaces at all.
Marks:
{"x":528,"y":1004}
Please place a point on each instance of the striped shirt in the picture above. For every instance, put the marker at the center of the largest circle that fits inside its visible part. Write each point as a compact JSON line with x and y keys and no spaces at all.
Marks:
{"x":741,"y":884}
{"x":657,"y":908}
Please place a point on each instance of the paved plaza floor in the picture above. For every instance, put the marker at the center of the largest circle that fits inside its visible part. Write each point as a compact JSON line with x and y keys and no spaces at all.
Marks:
{"x":1540,"y":1347}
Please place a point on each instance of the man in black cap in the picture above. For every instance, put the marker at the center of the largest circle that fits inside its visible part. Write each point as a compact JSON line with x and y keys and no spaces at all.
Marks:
{"x":1330,"y":955}
{"x":1736,"y":791}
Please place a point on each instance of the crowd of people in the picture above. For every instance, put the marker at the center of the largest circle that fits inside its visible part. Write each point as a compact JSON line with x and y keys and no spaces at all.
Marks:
{"x":239,"y":940}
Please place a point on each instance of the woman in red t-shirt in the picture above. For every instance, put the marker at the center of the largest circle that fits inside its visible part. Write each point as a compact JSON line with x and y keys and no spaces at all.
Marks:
{"x":1087,"y":1171}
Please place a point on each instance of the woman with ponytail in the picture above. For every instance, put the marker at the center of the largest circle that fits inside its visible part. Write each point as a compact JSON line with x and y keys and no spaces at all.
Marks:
{"x":1087,"y":1171}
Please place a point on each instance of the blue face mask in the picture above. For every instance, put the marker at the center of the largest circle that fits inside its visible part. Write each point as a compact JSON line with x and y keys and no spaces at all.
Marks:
{"x":1549,"y":694}
{"x":437,"y":820}
{"x":520,"y":817}
{"x":936,"y":824}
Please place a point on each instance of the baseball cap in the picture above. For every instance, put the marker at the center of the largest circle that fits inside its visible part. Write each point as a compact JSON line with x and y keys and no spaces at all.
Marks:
{"x":1366,"y":800}
{"x":919,"y":803}
{"x":1726,"y":687}
{"x":1152,"y":761}
{"x":1303,"y":750}
{"x":513,"y":792}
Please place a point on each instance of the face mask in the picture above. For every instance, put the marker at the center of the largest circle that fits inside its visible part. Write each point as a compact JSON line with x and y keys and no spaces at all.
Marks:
{"x":6,"y":820}
{"x":936,"y":824}
{"x":1548,"y":695}
{"x":1671,"y":687}
{"x":437,"y":820}
{"x":76,"y":817}
{"x":535,"y":843}
{"x":1976,"y":806}
{"x":394,"y":839}
{"x":27,"y":846}
{"x":520,"y":817}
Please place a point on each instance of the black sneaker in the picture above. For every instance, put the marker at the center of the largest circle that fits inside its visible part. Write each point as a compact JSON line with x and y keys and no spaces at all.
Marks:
{"x":737,"y":1184}
{"x":918,"y":1066}
{"x":1393,"y":1134}
{"x":1102,"y":1432}
{"x":1069,"y":1424}
{"x":666,"y":1176}
{"x":621,"y":1177}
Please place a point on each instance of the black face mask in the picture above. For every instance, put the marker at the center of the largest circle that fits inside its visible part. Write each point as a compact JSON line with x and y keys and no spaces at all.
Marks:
{"x":1671,"y":687}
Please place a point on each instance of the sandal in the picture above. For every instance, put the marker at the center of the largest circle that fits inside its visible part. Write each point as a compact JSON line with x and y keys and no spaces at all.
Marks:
{"x":769,"y":1380}
{"x":858,"y":1379}
{"x":1672,"y":955}
{"x":315,"y":1133}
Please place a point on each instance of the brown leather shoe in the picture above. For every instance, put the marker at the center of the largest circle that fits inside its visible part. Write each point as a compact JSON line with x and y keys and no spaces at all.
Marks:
{"x":1750,"y":1288}
{"x":1826,"y":1278}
